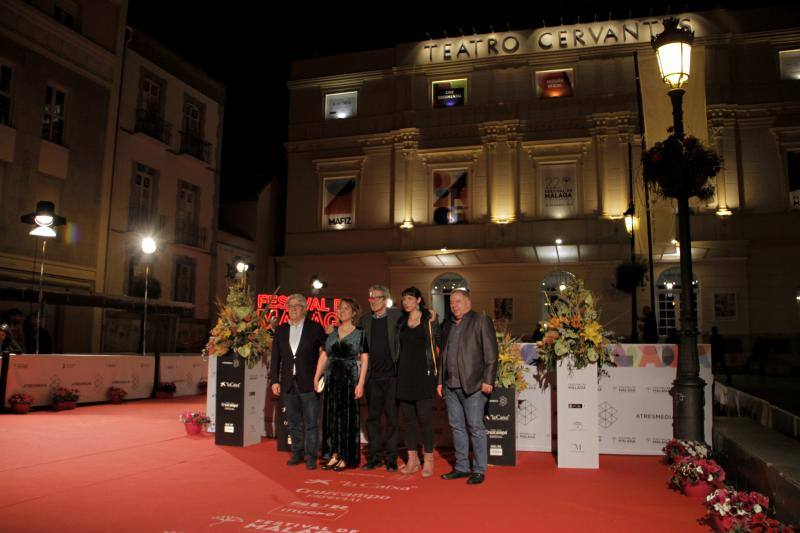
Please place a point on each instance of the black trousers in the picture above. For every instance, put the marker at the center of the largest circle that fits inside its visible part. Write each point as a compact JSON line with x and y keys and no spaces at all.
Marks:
{"x":302,"y":413}
{"x":381,"y":396}
{"x":422,"y":411}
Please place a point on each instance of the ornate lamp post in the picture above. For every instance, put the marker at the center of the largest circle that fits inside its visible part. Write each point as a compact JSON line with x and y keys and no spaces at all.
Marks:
{"x":630,"y":223}
{"x":44,"y":220}
{"x":673,"y":49}
{"x":148,"y":248}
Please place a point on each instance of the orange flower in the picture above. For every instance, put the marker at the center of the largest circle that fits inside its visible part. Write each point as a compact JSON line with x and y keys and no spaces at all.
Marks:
{"x":576,"y":322}
{"x":554,"y":322}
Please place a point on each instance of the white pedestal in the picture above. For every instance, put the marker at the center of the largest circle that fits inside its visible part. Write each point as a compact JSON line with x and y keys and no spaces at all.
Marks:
{"x":578,"y":445}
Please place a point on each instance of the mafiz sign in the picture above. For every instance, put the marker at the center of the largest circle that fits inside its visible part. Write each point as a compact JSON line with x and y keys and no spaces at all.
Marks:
{"x":545,"y":39}
{"x":322,"y":310}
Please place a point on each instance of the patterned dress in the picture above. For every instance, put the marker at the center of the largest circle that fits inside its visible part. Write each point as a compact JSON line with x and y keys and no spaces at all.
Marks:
{"x":341,"y":423}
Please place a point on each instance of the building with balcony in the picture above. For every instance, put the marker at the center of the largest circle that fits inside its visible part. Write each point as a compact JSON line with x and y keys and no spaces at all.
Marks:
{"x":165,"y":185}
{"x":504,"y":162}
{"x":59,"y":80}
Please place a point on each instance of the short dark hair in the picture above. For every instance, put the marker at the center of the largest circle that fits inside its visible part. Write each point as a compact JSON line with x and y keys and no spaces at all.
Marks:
{"x":415,"y":293}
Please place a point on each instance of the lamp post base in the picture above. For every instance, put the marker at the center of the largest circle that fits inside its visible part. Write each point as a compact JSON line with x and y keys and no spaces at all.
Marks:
{"x":687,"y":395}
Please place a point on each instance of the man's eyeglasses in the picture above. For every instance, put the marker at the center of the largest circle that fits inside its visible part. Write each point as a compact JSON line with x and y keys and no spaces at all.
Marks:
{"x":375,"y":298}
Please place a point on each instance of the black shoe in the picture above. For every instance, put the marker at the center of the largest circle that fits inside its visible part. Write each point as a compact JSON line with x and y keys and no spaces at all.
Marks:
{"x":311,"y":464}
{"x":341,"y":466}
{"x":391,"y":466}
{"x":295,"y":460}
{"x":455,"y":474}
{"x":475,"y":478}
{"x":372,"y":464}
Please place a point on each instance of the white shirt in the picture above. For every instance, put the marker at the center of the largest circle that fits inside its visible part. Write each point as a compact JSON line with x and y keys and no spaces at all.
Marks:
{"x":295,"y":332}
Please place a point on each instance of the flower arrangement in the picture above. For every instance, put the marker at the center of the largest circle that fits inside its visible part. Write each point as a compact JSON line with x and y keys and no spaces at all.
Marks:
{"x":117,"y":392}
{"x":511,"y":369}
{"x":63,"y":394}
{"x":681,"y":167}
{"x":733,"y":510}
{"x":239,"y":329}
{"x":691,"y":471}
{"x":574,"y":332}
{"x":20,"y":398}
{"x":194,"y":417}
{"x":677,"y":449}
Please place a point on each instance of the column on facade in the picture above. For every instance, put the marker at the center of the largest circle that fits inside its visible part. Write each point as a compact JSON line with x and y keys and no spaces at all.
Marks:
{"x":406,"y":144}
{"x":722,"y":129}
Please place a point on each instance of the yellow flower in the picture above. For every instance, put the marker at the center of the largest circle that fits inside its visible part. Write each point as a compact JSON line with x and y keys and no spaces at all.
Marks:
{"x":593,"y":332}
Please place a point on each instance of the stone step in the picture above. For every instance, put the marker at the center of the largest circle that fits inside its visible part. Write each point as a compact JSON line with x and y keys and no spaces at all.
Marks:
{"x":757,"y":458}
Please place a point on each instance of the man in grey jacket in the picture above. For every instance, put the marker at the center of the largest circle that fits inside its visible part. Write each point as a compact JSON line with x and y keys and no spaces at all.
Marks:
{"x":469,"y":366}
{"x":380,"y":328}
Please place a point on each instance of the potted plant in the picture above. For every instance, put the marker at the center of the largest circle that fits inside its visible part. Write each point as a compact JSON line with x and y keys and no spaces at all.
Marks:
{"x":20,"y":403}
{"x":194,"y":421}
{"x":116,"y":394}
{"x":202,"y":386}
{"x":731,"y":510}
{"x":677,"y":449}
{"x":696,"y":477}
{"x":65,"y":398}
{"x":165,"y":389}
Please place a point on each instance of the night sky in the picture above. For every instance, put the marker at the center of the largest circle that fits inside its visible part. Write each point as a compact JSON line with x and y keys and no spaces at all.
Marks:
{"x":248,"y":46}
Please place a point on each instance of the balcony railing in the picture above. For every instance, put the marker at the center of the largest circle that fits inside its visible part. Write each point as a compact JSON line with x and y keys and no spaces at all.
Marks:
{"x":195,"y":146}
{"x":191,"y":235}
{"x":151,"y":123}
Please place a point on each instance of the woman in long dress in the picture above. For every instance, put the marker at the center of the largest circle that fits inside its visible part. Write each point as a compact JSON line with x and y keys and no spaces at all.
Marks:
{"x":344,"y":366}
{"x":417,"y":368}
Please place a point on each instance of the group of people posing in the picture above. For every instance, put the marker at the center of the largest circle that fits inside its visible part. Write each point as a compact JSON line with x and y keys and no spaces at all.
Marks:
{"x":398,"y":360}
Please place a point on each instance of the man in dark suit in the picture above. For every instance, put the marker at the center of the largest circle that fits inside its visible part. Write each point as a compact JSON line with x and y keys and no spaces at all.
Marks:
{"x":380,"y":328}
{"x":469,"y":367}
{"x":295,"y":351}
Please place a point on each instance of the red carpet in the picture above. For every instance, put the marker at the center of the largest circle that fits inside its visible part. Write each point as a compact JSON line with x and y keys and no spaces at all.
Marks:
{"x":131,"y":467}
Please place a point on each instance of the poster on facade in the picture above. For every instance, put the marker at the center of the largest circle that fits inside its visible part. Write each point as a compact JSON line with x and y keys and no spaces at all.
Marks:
{"x":555,"y":83}
{"x":450,"y":197}
{"x":793,"y":170}
{"x":339,"y":203}
{"x":449,"y":93}
{"x":724,"y":306}
{"x":558,"y":190}
{"x":341,"y":105}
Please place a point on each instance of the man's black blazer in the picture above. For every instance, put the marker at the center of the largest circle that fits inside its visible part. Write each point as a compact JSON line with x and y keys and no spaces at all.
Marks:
{"x":305,"y":360}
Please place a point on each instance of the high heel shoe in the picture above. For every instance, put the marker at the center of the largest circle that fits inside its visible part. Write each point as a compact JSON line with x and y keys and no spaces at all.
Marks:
{"x":330,"y":464}
{"x":340,"y":466}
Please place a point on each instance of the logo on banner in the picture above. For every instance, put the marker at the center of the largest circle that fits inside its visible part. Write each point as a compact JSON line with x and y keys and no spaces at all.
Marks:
{"x":498,"y":418}
{"x":225,"y":520}
{"x":135,"y":381}
{"x":230,"y":406}
{"x":653,"y":416}
{"x":577,"y":447}
{"x":575,"y":406}
{"x":330,"y":511}
{"x":526,"y":412}
{"x":607,"y":414}
{"x":659,"y":390}
{"x":55,"y":382}
{"x":577,"y":426}
{"x":98,"y":382}
{"x":626,"y":388}
{"x":229,"y":428}
{"x":229,"y":385}
{"x":576,"y":386}
{"x":503,"y":401}
{"x":495,"y":450}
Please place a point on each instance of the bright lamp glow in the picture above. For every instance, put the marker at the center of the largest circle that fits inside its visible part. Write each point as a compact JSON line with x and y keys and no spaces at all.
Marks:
{"x":148,"y":245}
{"x":43,"y":220}
{"x":673,"y":49}
{"x":629,"y":223}
{"x":562,"y":287}
{"x":241,"y":266}
{"x":389,"y":302}
{"x":674,"y":62}
{"x":43,"y":231}
{"x":559,"y":242}
{"x":317,"y":284}
{"x":724,"y":212}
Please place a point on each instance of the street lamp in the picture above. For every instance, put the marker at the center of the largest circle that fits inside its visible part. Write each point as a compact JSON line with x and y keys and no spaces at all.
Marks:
{"x":43,"y":220}
{"x":630,"y":220}
{"x":673,"y":48}
{"x":148,"y":248}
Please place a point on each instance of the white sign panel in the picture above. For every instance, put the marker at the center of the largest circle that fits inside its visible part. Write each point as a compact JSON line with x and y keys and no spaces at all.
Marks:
{"x":185,"y":370}
{"x":576,"y":394}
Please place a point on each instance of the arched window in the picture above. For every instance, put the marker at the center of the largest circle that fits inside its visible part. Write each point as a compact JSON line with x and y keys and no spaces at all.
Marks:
{"x":668,"y":295}
{"x":551,"y":285}
{"x":442,"y":287}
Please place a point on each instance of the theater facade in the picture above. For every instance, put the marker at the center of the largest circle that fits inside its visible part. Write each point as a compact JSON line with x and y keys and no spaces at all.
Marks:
{"x":505,"y":162}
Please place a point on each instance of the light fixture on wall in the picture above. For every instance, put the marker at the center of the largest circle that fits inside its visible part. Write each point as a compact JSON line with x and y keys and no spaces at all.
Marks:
{"x":630,"y":219}
{"x":559,"y":242}
{"x":317,"y":284}
{"x":723,"y":212}
{"x":44,"y":220}
{"x":149,"y":247}
{"x":407,"y":224}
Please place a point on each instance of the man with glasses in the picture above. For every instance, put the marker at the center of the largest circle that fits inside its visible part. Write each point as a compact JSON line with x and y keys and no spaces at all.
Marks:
{"x":295,"y":352}
{"x":381,"y":385}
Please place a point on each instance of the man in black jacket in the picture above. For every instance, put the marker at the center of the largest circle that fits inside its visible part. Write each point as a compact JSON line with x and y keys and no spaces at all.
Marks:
{"x":380,"y":328}
{"x":295,"y":352}
{"x":469,"y":367}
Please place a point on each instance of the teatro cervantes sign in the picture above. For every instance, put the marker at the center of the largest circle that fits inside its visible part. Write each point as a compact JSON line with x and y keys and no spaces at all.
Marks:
{"x":577,"y":36}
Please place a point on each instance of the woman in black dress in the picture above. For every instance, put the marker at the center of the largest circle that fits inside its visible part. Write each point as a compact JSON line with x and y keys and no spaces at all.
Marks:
{"x":344,"y":365}
{"x":417,"y":338}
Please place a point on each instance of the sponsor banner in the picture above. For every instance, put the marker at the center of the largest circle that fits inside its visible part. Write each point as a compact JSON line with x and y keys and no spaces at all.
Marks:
{"x":185,"y":370}
{"x":576,"y":400}
{"x":39,"y":376}
{"x":634,"y":413}
{"x":555,"y":83}
{"x":239,"y":413}
{"x":499,"y":421}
